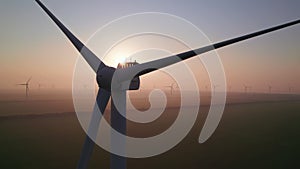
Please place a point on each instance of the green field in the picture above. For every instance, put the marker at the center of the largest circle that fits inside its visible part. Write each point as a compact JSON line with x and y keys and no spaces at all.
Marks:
{"x":251,"y":135}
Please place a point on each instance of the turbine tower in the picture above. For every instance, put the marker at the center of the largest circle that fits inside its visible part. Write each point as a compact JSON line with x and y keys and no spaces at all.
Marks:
{"x":247,"y":88}
{"x":269,"y":88}
{"x":39,"y":86}
{"x":26,"y":84}
{"x":290,"y":89}
{"x":128,"y":78}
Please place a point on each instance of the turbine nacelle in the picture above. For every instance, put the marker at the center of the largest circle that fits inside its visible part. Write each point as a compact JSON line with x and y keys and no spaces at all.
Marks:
{"x":106,"y":74}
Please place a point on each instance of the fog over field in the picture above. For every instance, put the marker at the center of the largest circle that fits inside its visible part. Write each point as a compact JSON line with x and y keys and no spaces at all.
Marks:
{"x":14,"y":102}
{"x":256,"y":131}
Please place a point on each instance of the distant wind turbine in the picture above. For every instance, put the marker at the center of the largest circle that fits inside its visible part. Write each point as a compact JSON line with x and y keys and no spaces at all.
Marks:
{"x":270,"y":88}
{"x":247,"y":88}
{"x":26,"y":84}
{"x":41,"y":86}
{"x":290,"y":89}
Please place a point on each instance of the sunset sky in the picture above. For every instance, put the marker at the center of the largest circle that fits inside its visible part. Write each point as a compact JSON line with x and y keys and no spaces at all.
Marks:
{"x":31,"y":45}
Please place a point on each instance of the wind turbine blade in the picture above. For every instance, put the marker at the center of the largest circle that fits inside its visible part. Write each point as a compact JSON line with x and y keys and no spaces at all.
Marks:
{"x":87,"y":54}
{"x":100,"y":105}
{"x":141,"y":69}
{"x":28,"y":80}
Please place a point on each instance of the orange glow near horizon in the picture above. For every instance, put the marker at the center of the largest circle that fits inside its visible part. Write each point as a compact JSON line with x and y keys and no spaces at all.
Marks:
{"x":33,"y":46}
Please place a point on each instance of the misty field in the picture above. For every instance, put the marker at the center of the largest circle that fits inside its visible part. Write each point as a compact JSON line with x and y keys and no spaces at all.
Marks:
{"x":250,"y":135}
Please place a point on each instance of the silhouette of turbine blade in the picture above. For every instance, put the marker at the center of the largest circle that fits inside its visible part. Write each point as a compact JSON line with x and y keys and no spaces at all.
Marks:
{"x":28,"y":80}
{"x":144,"y":68}
{"x":100,"y":105}
{"x":87,"y":54}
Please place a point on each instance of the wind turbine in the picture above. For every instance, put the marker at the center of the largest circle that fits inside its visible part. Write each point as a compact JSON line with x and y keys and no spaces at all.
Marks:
{"x":246,"y":88}
{"x":39,"y":86}
{"x":290,"y":89}
{"x":128,"y":79}
{"x":26,"y":84}
{"x":269,"y":88}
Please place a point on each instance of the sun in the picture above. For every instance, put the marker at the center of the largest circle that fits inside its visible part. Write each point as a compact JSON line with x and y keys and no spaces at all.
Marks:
{"x":117,"y":57}
{"x":120,"y":58}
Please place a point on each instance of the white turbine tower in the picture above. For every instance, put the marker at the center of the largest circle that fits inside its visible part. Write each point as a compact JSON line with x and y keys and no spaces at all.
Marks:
{"x":127,"y":78}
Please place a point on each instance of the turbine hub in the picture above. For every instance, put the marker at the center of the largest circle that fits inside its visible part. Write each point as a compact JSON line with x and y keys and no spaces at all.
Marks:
{"x":105,"y":76}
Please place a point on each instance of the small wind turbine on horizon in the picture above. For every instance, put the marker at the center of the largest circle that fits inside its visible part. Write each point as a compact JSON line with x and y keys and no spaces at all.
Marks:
{"x":40,"y":86}
{"x":247,"y":88}
{"x":269,"y":88}
{"x":290,"y":88}
{"x":26,"y":84}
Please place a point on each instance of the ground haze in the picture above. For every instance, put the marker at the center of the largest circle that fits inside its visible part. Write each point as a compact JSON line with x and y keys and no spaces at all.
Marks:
{"x":256,"y":131}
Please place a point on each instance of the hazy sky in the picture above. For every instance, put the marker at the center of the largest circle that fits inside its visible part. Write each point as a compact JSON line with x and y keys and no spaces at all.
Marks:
{"x":31,"y":45}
